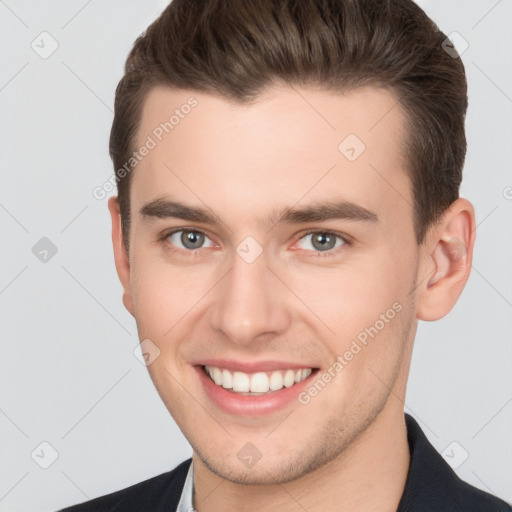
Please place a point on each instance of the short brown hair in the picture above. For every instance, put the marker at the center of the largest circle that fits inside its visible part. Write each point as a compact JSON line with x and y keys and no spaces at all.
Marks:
{"x":236,"y":48}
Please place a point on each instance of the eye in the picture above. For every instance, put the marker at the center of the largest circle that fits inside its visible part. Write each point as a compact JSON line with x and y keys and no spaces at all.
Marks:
{"x":187,"y":239}
{"x":322,"y":242}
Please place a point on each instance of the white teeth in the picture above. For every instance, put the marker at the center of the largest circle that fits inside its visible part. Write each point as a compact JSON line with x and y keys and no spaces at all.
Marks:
{"x":289,"y":378}
{"x":227,"y":379}
{"x":240,"y":382}
{"x":306,"y":372}
{"x":217,"y":376}
{"x":256,"y":383}
{"x":276,"y":381}
{"x":259,"y":383}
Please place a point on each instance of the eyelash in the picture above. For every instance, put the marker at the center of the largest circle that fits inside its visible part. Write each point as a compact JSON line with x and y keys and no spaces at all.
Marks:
{"x":195,"y":252}
{"x":332,"y":252}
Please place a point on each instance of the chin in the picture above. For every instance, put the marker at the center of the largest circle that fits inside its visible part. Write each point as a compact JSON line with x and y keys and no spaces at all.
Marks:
{"x":270,"y":469}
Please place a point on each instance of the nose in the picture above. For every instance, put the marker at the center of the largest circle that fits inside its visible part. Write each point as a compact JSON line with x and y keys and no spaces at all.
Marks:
{"x":249,"y":304}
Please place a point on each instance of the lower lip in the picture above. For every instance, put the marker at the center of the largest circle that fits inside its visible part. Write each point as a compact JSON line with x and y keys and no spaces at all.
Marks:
{"x":251,"y":405}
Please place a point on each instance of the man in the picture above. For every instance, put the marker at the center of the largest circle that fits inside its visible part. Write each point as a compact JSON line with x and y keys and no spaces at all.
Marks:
{"x":287,"y":210}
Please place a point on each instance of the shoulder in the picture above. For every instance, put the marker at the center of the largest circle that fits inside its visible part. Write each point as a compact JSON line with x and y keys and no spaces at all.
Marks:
{"x":441,"y":489}
{"x":470,"y":498}
{"x":456,"y":494}
{"x":161,"y":492}
{"x":433,"y":485}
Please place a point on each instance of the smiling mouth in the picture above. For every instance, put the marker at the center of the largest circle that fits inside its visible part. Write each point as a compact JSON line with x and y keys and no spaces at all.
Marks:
{"x":259,"y":383}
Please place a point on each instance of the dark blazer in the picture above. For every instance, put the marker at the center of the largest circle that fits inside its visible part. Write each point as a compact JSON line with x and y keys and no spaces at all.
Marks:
{"x":431,"y":486}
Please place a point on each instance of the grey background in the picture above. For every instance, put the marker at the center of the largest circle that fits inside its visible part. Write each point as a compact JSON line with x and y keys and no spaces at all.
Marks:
{"x":69,"y":376}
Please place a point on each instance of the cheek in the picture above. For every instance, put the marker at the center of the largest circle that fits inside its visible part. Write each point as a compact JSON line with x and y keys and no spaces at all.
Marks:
{"x":155,"y":296}
{"x":364,"y":305}
{"x":167,"y":294}
{"x":353,"y":295}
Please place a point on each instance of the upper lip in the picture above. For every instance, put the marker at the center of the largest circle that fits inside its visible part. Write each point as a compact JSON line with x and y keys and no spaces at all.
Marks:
{"x":253,"y":366}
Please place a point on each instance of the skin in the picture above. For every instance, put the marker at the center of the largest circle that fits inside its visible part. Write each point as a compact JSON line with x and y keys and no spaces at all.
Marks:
{"x":347,"y":448}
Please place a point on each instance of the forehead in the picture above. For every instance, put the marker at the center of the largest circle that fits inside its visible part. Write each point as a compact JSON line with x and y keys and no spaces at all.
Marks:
{"x":291,"y":145}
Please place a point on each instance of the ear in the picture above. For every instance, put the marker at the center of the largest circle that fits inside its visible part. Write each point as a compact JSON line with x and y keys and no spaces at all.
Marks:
{"x":120,"y":256}
{"x":446,"y":259}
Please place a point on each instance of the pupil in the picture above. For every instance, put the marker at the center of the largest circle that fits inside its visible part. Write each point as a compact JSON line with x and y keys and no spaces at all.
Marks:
{"x":193,"y":238}
{"x":325,"y":241}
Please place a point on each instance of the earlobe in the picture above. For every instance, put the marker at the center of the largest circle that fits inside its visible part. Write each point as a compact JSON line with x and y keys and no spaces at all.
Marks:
{"x":448,"y":256}
{"x":120,"y":255}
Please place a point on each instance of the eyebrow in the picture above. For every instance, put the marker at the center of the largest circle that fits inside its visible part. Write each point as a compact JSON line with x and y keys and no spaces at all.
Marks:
{"x":316,"y":212}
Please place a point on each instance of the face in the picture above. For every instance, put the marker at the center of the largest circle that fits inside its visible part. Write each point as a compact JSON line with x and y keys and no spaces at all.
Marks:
{"x":268,"y":239}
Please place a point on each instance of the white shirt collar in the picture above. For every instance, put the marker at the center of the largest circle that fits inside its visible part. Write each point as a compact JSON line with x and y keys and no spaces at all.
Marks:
{"x":186,"y":500}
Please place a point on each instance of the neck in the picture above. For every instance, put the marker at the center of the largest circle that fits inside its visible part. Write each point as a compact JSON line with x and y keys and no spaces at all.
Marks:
{"x":369,"y":475}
